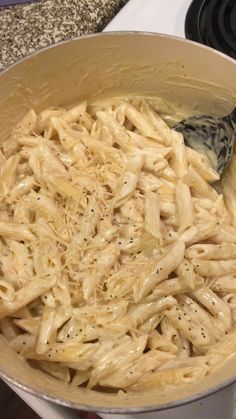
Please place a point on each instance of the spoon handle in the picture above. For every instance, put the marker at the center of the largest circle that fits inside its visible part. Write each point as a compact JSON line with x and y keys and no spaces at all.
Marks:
{"x":233,"y":117}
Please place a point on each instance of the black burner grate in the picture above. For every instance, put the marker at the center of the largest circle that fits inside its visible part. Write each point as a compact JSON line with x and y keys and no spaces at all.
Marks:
{"x":213,"y":23}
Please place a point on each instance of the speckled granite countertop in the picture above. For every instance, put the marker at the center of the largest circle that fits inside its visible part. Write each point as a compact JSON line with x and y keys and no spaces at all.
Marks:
{"x":29,"y":27}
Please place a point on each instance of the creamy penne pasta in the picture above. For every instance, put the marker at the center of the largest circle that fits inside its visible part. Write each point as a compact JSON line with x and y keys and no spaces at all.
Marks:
{"x":212,"y":251}
{"x":117,"y":250}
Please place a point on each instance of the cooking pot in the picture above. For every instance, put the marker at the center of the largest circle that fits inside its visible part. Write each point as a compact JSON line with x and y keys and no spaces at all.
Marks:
{"x":190,"y":77}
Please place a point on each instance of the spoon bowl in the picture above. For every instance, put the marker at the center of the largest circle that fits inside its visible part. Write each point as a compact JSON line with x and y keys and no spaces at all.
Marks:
{"x":212,"y":136}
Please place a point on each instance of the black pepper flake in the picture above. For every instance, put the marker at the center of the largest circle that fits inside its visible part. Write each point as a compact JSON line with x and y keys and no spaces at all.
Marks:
{"x":187,"y":269}
{"x":179,"y":318}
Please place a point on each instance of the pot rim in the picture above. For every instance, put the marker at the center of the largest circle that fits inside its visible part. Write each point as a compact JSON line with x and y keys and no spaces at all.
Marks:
{"x":118,"y":33}
{"x":120,"y":410}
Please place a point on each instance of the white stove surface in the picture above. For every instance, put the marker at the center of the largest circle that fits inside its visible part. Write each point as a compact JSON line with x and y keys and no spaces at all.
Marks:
{"x":162,"y":16}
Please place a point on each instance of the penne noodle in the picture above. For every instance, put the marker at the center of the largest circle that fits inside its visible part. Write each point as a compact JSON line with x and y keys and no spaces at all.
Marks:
{"x":142,"y":311}
{"x":8,"y":174}
{"x":200,"y":232}
{"x":202,"y":165}
{"x":25,"y":295}
{"x":118,"y":132}
{"x":80,"y":377}
{"x":224,"y":284}
{"x":198,"y":184}
{"x":157,"y":122}
{"x":9,"y":329}
{"x":152,"y":215}
{"x":16,"y":231}
{"x":126,"y":352}
{"x":174,"y":286}
{"x":201,"y":338}
{"x":194,"y":310}
{"x":229,"y":194}
{"x":178,"y":162}
{"x":27,"y":125}
{"x":216,"y":306}
{"x":128,"y":374}
{"x":54,"y":369}
{"x":170,"y":378}
{"x":204,"y":251}
{"x":46,"y":332}
{"x":215,"y":268}
{"x":225,"y":234}
{"x":184,"y":207}
{"x":185,"y":272}
{"x":28,"y":324}
{"x":129,"y":179}
{"x":163,"y":267}
{"x":158,"y":341}
{"x":142,"y":123}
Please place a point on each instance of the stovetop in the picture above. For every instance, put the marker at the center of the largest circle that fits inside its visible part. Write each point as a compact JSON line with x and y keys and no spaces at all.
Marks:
{"x":213,"y":23}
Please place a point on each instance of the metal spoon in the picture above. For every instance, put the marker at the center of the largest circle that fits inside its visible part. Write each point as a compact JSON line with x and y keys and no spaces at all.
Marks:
{"x":213,"y":136}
